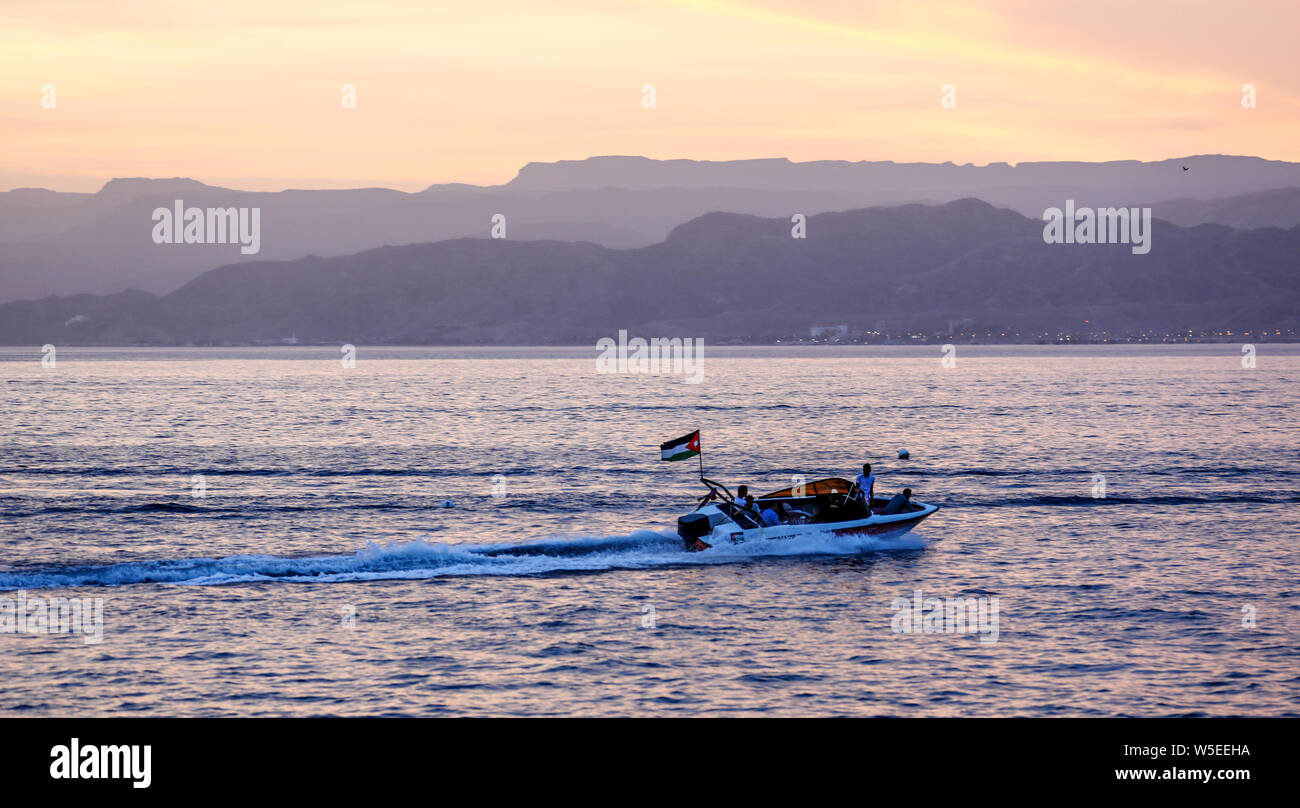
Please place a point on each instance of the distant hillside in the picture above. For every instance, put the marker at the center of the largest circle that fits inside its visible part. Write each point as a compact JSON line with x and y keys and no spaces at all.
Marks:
{"x":719,"y":276}
{"x":1276,"y":208}
{"x":1018,"y":186}
{"x":60,"y":244}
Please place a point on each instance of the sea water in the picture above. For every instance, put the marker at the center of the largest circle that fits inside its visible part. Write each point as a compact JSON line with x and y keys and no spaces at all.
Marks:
{"x":266,"y":530}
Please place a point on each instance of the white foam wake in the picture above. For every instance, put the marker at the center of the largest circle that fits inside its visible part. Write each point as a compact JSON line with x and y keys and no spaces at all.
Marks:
{"x":420,"y":559}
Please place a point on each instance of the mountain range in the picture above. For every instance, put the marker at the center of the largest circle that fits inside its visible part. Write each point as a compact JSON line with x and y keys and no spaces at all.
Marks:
{"x":75,"y":243}
{"x":718,"y":276}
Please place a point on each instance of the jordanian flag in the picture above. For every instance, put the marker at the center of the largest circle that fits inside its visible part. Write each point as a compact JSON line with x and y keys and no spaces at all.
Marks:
{"x":682,"y":448}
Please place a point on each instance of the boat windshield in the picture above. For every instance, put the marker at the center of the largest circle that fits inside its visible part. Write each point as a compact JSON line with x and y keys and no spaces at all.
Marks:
{"x":744,"y":518}
{"x":829,"y":485}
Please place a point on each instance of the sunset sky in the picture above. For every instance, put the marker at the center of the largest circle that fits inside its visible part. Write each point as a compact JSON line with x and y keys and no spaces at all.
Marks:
{"x":248,"y":94}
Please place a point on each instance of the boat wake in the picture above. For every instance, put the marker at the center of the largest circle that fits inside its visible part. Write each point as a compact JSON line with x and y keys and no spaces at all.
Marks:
{"x":420,"y":559}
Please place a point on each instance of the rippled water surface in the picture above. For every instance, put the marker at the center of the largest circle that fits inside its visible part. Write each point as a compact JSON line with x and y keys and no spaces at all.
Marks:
{"x":1132,"y":510}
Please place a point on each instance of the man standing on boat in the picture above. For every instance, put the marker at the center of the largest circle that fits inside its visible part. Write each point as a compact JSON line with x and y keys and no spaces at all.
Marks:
{"x":866,"y":483}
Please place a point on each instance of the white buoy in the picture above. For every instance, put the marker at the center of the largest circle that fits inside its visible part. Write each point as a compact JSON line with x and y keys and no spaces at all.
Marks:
{"x":903,"y":454}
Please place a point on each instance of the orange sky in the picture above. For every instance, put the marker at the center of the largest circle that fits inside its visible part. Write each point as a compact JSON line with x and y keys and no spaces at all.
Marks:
{"x":248,"y":94}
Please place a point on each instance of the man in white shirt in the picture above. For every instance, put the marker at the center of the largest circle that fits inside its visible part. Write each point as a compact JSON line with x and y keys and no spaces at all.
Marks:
{"x":742,"y":494}
{"x":866,"y":483}
{"x":746,"y":512}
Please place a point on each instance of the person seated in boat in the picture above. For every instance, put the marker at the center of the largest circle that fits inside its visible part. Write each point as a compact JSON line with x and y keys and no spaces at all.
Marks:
{"x":745,"y":500}
{"x":901,"y":503}
{"x":866,"y":483}
{"x":745,"y":510}
{"x":794,"y":516}
{"x":770,"y":517}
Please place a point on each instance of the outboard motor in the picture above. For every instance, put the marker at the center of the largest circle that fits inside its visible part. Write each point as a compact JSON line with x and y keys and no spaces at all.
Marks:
{"x":692,"y":527}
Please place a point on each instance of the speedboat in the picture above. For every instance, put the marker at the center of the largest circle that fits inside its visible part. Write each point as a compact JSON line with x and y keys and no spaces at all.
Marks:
{"x":826,"y":506}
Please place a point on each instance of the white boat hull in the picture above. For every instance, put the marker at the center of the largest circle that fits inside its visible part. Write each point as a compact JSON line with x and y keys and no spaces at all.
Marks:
{"x":725,"y":531}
